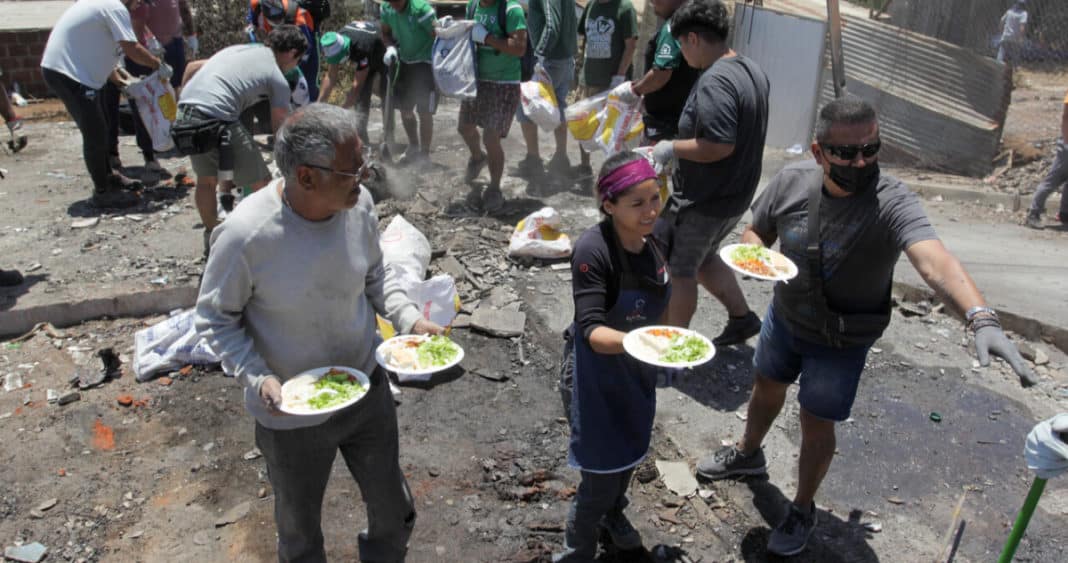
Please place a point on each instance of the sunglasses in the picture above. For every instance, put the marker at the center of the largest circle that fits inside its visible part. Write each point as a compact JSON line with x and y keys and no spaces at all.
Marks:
{"x":362,"y":174}
{"x":849,"y":152}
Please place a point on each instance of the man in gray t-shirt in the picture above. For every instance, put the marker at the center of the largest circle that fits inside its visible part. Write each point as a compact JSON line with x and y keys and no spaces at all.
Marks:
{"x":220,"y":88}
{"x":825,"y":320}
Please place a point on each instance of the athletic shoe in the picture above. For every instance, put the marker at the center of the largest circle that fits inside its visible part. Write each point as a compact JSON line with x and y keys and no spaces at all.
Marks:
{"x":115,"y":199}
{"x":492,"y":199}
{"x":791,"y":536}
{"x":474,"y":199}
{"x":729,"y":462}
{"x":621,"y":532}
{"x":474,"y":168}
{"x":530,"y":167}
{"x":10,"y":278}
{"x":583,"y":170}
{"x":413,"y":157}
{"x":738,"y":330}
{"x":154,"y":172}
{"x":1033,"y":221}
{"x":560,"y":165}
{"x":118,"y":181}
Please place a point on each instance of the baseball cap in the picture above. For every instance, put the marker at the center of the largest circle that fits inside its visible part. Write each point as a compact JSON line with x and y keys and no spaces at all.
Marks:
{"x":335,"y":47}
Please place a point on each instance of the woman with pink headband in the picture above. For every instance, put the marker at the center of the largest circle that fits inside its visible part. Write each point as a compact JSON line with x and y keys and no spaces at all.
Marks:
{"x":620,"y":283}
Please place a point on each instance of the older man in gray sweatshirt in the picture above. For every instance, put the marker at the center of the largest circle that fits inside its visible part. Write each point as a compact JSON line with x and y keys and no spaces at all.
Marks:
{"x":293,"y":282}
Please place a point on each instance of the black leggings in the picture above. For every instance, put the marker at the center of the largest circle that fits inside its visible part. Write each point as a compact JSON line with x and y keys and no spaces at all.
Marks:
{"x":84,"y":105}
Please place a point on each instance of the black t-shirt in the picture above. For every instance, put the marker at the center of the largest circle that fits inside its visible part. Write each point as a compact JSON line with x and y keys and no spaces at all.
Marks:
{"x":861,"y":238}
{"x":366,"y":48}
{"x":596,"y":270}
{"x":664,"y":106}
{"x":728,"y":105}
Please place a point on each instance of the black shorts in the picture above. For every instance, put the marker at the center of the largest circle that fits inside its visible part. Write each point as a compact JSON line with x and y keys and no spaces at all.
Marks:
{"x":415,"y":88}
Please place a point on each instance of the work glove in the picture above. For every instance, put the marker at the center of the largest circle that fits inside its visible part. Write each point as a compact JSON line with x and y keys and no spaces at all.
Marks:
{"x":625,"y":93}
{"x":391,"y":56}
{"x":193,"y":43}
{"x":165,"y":71}
{"x":154,"y":46}
{"x":991,"y":339}
{"x":445,"y":22}
{"x":663,"y":154}
{"x":617,"y":80}
{"x":479,"y":33}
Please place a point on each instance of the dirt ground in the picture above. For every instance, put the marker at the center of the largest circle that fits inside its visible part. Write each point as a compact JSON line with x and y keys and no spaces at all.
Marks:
{"x":162,"y":479}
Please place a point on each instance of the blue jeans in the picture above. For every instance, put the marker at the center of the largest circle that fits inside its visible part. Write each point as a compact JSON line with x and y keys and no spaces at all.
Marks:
{"x":600,"y":496}
{"x":1054,"y":180}
{"x":829,"y":376}
{"x":560,"y":73}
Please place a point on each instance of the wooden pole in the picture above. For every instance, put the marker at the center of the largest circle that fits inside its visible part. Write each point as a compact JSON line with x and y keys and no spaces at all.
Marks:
{"x":834,"y":21}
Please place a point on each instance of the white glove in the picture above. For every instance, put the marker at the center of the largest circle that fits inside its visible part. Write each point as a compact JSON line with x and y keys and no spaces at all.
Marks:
{"x":391,"y":56}
{"x":165,"y":71}
{"x":445,"y":22}
{"x":664,"y":153}
{"x":479,"y":33}
{"x":193,"y":44}
{"x":617,"y":80}
{"x":154,"y":46}
{"x":625,"y":93}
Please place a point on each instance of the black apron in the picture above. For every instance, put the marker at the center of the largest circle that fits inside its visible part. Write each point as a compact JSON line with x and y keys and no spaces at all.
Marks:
{"x":614,"y":397}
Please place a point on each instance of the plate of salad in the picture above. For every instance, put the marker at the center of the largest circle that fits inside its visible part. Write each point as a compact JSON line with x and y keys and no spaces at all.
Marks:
{"x":323,"y":390}
{"x":668,"y":346}
{"x":417,"y":357}
{"x":758,"y":262}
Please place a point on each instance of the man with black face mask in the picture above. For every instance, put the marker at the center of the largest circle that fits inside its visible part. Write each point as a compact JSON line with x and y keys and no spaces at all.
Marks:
{"x":824,"y":322}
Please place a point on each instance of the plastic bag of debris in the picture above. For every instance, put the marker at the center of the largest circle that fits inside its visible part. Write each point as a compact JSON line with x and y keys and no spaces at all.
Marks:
{"x":539,"y":100}
{"x":604,"y":122}
{"x":453,"y":60}
{"x":157,"y":106}
{"x":437,"y":299}
{"x":170,"y":345}
{"x":537,"y":235}
{"x":406,"y":251}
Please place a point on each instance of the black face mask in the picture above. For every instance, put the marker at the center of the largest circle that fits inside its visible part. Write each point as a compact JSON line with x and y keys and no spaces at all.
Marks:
{"x":855,"y":180}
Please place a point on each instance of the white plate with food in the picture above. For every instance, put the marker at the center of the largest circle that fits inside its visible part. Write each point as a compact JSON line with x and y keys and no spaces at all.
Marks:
{"x":417,"y":357}
{"x":323,"y":390}
{"x":758,"y":262}
{"x":668,"y":346}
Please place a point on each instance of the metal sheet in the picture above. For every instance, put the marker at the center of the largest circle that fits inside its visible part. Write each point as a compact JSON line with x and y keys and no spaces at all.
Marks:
{"x":790,"y":50}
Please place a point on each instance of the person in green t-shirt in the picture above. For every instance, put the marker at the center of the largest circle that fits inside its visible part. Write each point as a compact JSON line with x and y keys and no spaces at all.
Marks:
{"x":611,"y":31}
{"x":408,"y":32}
{"x":500,"y":48}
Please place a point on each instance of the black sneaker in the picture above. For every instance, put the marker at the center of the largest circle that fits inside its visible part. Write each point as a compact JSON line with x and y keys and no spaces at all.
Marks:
{"x":1033,"y":221}
{"x":10,"y":278}
{"x":583,"y":170}
{"x":474,"y":168}
{"x":620,"y":531}
{"x":791,"y":536}
{"x":729,"y":462}
{"x":115,"y":199}
{"x":474,"y":199}
{"x":530,"y":167}
{"x":492,"y":199}
{"x":118,"y":181}
{"x":738,"y":330}
{"x":560,"y":165}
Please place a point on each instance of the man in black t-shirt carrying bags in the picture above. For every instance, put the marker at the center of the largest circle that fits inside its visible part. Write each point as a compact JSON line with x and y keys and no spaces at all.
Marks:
{"x":821,"y":325}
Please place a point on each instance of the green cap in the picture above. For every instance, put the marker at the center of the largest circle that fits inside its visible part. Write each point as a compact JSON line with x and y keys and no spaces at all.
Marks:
{"x":335,"y":47}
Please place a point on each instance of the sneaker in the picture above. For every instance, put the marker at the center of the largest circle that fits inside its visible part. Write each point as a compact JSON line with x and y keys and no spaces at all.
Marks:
{"x":115,"y":163}
{"x":729,"y":462}
{"x":413,"y":157}
{"x":583,"y":170}
{"x":530,"y":167}
{"x":118,"y":181}
{"x":474,"y":168}
{"x":791,"y":536}
{"x":474,"y":199}
{"x":492,"y":199}
{"x":738,"y":330}
{"x":115,"y":199}
{"x":1033,"y":221}
{"x":619,"y":529}
{"x":10,"y":278}
{"x":154,"y":172}
{"x":560,"y":165}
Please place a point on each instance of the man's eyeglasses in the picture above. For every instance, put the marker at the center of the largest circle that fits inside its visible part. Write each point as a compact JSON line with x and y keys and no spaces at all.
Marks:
{"x":849,"y":152}
{"x":362,"y":174}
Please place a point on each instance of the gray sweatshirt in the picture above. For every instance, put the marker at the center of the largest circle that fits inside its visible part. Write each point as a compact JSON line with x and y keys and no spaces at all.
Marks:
{"x":282,"y":295}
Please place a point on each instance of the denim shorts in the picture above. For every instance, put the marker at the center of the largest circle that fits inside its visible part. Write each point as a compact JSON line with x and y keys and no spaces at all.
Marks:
{"x":829,"y":376}
{"x":560,"y":72}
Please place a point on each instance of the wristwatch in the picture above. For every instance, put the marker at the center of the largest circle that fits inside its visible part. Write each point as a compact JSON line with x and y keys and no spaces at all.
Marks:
{"x":968,"y":316}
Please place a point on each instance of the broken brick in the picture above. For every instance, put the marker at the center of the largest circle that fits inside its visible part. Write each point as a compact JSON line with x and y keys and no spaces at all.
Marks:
{"x":125,"y":400}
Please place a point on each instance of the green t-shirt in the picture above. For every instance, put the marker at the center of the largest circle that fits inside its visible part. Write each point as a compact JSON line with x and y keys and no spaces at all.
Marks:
{"x":606,"y":26}
{"x":412,"y":30}
{"x":668,"y":52}
{"x":493,"y":65}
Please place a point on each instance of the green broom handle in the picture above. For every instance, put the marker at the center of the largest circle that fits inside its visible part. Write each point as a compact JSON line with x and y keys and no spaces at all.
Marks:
{"x":1022,"y":520}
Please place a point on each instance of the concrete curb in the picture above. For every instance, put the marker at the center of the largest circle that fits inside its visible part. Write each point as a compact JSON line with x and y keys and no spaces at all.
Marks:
{"x":138,"y":304}
{"x":955,"y":193}
{"x":1031,"y":329}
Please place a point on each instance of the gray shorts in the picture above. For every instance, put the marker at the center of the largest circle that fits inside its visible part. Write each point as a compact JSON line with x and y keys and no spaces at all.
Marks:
{"x":249,"y":167}
{"x":696,"y":239}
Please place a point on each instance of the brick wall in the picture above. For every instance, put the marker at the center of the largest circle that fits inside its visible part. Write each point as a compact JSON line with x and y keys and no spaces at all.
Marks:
{"x":20,"y":58}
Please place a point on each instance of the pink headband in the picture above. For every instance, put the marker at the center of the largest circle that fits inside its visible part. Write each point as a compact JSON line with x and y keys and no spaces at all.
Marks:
{"x":630,"y":174}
